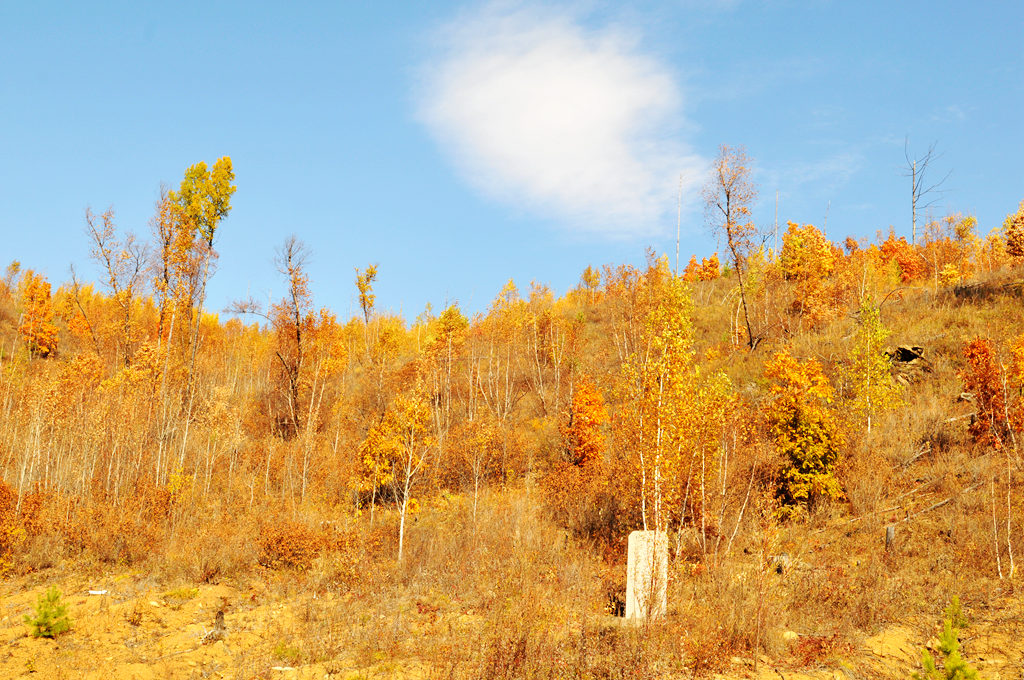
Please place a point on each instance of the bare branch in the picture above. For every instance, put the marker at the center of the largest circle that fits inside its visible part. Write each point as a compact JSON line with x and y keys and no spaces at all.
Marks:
{"x":922,"y":195}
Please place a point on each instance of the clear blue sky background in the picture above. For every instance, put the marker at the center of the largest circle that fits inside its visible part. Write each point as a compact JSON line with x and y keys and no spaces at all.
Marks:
{"x":461,"y":144}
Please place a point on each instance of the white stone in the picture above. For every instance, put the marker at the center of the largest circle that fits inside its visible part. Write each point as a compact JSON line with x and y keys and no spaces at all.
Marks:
{"x":647,"y":575}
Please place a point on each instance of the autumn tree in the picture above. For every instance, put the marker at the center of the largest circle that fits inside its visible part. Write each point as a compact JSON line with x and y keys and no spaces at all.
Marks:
{"x":171,"y":260}
{"x":551,"y":348}
{"x":809,"y":259}
{"x":728,"y":196}
{"x":590,"y":281}
{"x":904,"y":255}
{"x":37,"y":327}
{"x":983,"y":377}
{"x":325,"y":357}
{"x":997,"y":420}
{"x":583,"y":430}
{"x":364,"y":284}
{"x":874,"y":390}
{"x":476,"y":453}
{"x":1013,"y":232}
{"x":497,"y":363}
{"x":292,"y":320}
{"x":803,"y":426}
{"x":692,"y":270}
{"x":708,"y":269}
{"x":197,"y":208}
{"x":660,"y":389}
{"x":575,"y":483}
{"x":943,"y":247}
{"x":444,"y":351}
{"x":397,"y":447}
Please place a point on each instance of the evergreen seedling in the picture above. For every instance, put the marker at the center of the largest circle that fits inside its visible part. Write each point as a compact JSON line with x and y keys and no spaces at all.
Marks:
{"x":51,"y":615}
{"x":954,"y":666}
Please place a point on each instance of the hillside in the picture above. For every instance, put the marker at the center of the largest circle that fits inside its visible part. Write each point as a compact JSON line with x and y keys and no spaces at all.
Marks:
{"x":451,"y":497}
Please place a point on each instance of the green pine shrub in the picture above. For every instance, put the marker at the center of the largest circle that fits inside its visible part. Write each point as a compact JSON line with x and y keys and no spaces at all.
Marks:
{"x":954,"y":667}
{"x":51,"y":615}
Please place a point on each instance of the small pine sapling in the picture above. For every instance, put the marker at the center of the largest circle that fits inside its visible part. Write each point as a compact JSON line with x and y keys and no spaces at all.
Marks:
{"x":51,"y":615}
{"x":954,"y":667}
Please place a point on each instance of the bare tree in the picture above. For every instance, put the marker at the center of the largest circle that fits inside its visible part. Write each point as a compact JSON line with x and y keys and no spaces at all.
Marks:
{"x":124,"y":263}
{"x":728,"y":196}
{"x":290,"y":318}
{"x":922,"y":194}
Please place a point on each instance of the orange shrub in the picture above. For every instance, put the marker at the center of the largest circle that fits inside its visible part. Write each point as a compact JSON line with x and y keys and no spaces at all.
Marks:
{"x":983,"y":378}
{"x":904,"y":255}
{"x":9,"y":530}
{"x":287,"y":544}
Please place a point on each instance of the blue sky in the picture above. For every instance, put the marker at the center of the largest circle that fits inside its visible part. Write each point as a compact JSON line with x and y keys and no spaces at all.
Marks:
{"x":460,"y":144}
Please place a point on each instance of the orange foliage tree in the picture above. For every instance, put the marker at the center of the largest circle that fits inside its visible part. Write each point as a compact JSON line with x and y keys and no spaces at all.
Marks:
{"x":809,"y":259}
{"x":583,"y":431}
{"x":911,"y":266}
{"x":997,"y":417}
{"x":37,"y":327}
{"x":575,"y":483}
{"x":1013,"y":232}
{"x":708,"y":269}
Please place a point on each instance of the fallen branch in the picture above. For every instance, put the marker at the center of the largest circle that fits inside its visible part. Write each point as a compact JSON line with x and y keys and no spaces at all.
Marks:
{"x":925,"y":448}
{"x":938,"y":505}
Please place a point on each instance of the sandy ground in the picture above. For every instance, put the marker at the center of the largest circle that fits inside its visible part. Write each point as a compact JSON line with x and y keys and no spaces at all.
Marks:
{"x":136,"y":631}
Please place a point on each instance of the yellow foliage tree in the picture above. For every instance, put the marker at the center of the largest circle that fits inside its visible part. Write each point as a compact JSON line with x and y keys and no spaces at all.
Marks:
{"x":37,"y":328}
{"x":874,"y":390}
{"x":803,"y":426}
{"x":667,"y":427}
{"x":809,"y":259}
{"x":396,"y":450}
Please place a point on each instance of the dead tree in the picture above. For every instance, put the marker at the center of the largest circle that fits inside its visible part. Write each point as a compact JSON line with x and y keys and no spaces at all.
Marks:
{"x":922,"y":194}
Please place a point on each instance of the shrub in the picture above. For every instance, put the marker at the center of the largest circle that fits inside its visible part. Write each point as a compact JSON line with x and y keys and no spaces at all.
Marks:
{"x":288,"y":544}
{"x":953,"y":665}
{"x":11,"y":534}
{"x":51,"y":615}
{"x":983,"y":378}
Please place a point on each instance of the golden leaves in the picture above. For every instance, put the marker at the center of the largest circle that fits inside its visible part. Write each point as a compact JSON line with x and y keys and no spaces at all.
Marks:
{"x":37,"y":327}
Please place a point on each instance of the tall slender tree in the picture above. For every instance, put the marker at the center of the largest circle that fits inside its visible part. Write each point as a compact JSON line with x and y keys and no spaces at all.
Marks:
{"x":728,"y":196}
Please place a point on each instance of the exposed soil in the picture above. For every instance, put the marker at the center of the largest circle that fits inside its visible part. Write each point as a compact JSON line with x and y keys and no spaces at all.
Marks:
{"x":137,"y":631}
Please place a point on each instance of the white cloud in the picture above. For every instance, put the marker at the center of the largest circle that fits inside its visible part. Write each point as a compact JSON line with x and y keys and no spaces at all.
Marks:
{"x":573,"y":123}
